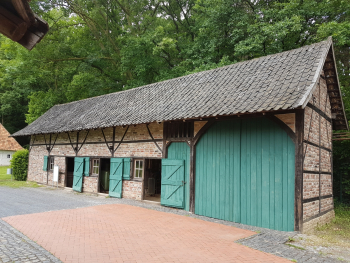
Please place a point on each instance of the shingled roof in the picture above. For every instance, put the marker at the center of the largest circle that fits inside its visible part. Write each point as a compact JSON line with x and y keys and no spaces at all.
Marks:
{"x":281,"y":81}
{"x":8,"y":143}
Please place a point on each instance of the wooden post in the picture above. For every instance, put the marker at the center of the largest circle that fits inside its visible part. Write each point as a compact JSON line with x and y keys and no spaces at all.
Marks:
{"x":192,"y":175}
{"x":113,"y":143}
{"x":76,"y":147}
{"x":11,"y":26}
{"x":298,"y":201}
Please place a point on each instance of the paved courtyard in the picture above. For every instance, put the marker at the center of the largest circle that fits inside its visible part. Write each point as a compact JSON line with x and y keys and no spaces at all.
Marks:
{"x":123,"y":233}
{"x":50,"y":225}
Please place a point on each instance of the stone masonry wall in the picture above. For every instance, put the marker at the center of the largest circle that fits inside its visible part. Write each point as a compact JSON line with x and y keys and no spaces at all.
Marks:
{"x":131,"y":189}
{"x":315,"y":186}
{"x":310,"y":225}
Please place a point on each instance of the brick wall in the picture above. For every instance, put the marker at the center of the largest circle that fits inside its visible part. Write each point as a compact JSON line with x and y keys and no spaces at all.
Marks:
{"x":131,"y":189}
{"x":317,"y":131}
{"x":90,"y":184}
{"x":311,"y":187}
{"x":36,"y":163}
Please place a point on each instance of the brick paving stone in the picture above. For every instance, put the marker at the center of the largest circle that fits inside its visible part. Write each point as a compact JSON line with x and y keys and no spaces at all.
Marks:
{"x":36,"y":200}
{"x":99,"y":233}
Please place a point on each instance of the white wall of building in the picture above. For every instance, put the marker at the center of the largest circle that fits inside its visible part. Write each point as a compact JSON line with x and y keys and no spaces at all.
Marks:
{"x":5,"y":157}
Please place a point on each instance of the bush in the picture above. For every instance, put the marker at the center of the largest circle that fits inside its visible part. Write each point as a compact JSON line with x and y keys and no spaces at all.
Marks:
{"x":341,"y":171}
{"x":19,"y":164}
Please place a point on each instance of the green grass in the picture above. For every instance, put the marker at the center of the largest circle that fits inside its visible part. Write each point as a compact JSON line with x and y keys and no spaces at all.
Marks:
{"x":5,"y":180}
{"x":301,"y":248}
{"x":338,"y":231}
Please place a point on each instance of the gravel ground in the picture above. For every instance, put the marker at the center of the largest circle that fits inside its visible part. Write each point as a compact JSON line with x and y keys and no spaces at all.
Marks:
{"x":36,"y":200}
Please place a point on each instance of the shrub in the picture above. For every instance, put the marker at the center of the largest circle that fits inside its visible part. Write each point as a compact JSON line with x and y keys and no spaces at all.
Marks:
{"x":341,"y":174}
{"x":19,"y":164}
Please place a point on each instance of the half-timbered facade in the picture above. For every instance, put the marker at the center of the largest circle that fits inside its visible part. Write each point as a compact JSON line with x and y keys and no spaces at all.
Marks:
{"x":249,"y":143}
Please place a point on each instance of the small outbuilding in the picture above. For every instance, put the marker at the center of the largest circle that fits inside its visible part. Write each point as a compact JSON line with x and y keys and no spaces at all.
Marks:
{"x":249,"y":142}
{"x":8,"y":146}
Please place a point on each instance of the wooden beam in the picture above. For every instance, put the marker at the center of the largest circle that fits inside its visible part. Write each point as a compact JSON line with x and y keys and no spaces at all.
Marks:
{"x":11,"y":26}
{"x":192,"y":176}
{"x":34,"y":33}
{"x":298,"y":205}
{"x":23,"y":9}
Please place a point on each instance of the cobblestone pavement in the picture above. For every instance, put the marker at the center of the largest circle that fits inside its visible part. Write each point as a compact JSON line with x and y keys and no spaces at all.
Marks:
{"x":16,"y":247}
{"x":36,"y":200}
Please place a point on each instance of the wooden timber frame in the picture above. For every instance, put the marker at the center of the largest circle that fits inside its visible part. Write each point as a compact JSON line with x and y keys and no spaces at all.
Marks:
{"x":321,"y":113}
{"x":299,"y":161}
{"x":76,"y":145}
{"x":297,"y":137}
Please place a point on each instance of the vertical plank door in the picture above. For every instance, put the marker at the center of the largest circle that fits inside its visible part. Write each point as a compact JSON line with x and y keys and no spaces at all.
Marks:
{"x":116,"y":178}
{"x":78,"y":174}
{"x":173,"y":176}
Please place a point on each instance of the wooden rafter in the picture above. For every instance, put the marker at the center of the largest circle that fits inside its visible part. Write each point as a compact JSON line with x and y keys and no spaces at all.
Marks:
{"x":150,"y":134}
{"x":344,"y":136}
{"x":20,"y":24}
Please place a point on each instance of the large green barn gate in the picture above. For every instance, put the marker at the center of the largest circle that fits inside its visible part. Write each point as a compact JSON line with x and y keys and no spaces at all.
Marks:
{"x":244,"y":172}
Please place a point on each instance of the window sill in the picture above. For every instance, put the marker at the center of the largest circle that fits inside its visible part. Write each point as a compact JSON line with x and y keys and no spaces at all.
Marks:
{"x":136,"y":179}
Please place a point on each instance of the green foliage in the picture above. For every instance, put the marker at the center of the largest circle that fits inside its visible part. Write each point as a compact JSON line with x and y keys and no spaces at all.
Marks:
{"x":336,"y":232}
{"x":102,"y":46}
{"x":341,"y":173}
{"x":19,"y":164}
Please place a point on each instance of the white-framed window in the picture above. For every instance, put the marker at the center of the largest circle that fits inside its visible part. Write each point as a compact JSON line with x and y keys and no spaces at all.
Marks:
{"x":138,"y":169}
{"x":8,"y":156}
{"x":95,"y":166}
{"x":51,"y":163}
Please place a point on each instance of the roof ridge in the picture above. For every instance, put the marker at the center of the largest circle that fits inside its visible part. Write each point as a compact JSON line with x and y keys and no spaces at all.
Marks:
{"x":195,"y":73}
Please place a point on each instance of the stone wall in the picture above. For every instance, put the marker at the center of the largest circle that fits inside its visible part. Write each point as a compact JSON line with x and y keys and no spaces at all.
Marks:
{"x":310,"y":225}
{"x":317,"y":131}
{"x":131,"y":189}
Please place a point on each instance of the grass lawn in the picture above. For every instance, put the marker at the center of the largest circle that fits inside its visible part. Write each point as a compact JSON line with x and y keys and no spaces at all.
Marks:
{"x":338,"y":231}
{"x":332,"y":239}
{"x":5,"y":180}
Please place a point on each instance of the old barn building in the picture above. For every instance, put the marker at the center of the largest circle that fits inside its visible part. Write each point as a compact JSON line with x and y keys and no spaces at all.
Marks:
{"x":249,"y":143}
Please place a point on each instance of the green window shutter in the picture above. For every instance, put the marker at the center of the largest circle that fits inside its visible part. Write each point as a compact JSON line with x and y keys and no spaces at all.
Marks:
{"x":45,"y":163}
{"x":86,"y":166}
{"x":126,"y":168}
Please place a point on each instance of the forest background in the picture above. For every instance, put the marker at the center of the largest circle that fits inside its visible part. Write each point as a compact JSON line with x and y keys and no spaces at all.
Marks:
{"x":96,"y":47}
